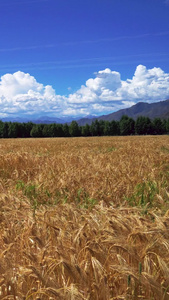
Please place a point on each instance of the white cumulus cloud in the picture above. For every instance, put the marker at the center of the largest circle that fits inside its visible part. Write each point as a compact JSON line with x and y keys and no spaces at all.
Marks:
{"x":147,"y":85}
{"x":21,"y":94}
{"x":108,"y":92}
{"x":105,"y":79}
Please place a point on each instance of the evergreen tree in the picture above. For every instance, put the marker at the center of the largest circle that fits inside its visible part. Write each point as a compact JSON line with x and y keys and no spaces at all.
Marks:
{"x":86,"y":130}
{"x":167,"y":125}
{"x":74,"y":129}
{"x":158,"y":126}
{"x":59,"y":130}
{"x":4,"y":130}
{"x":27,"y":127}
{"x":127,"y":125}
{"x":46,"y":132}
{"x":107,"y":128}
{"x":21,"y":130}
{"x":37,"y":130}
{"x":101,"y":127}
{"x":95,"y":128}
{"x":1,"y":129}
{"x":115,"y":127}
{"x":164,"y":126}
{"x":143,"y":125}
{"x":13,"y":130}
{"x":66,"y":130}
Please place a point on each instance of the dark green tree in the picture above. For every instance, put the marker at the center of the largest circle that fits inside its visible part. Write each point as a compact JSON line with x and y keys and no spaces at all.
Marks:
{"x":27,"y":129}
{"x":66,"y":130}
{"x":107,"y":128}
{"x":127,"y":125}
{"x":115,"y":127}
{"x":74,"y":129}
{"x":37,"y":130}
{"x":1,"y":128}
{"x":55,"y":130}
{"x":4,"y":130}
{"x":46,"y":132}
{"x":164,"y":126}
{"x":167,"y":125}
{"x":21,"y":130}
{"x":86,"y":130}
{"x":95,"y":128}
{"x":13,"y":130}
{"x":101,"y":127}
{"x":143,"y":125}
{"x":158,"y":126}
{"x":59,"y":130}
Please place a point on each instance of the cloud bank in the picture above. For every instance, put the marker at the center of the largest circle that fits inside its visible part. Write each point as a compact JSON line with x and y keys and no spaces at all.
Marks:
{"x":21,"y":95}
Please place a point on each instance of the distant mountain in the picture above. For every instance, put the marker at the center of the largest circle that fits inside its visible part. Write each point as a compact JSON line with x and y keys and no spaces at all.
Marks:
{"x":15,"y":119}
{"x":44,"y":120}
{"x":47,"y":120}
{"x":153,"y":110}
{"x":84,"y":121}
{"x":37,"y":120}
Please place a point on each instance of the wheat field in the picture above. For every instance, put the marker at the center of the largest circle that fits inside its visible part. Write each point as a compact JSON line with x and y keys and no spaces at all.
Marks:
{"x":84,"y":218}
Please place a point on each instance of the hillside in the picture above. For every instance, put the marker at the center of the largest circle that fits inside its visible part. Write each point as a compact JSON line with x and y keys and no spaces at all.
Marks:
{"x":153,"y":110}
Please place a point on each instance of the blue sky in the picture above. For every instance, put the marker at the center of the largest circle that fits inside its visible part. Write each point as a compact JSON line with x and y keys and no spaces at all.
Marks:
{"x":74,"y":57}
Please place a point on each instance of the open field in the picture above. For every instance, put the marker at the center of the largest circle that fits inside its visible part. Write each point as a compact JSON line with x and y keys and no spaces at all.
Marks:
{"x":84,"y":218}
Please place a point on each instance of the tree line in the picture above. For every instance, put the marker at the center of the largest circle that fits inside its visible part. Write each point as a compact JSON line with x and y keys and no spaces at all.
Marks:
{"x":126,"y":126}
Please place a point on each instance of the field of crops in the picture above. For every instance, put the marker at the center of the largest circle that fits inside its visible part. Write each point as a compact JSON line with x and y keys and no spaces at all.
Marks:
{"x":84,"y":218}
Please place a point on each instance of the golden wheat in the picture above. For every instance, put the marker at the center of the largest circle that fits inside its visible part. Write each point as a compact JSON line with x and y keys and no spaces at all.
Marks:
{"x":84,"y":218}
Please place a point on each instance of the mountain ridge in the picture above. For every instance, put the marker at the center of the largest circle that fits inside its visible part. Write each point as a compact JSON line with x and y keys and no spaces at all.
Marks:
{"x":152,"y":110}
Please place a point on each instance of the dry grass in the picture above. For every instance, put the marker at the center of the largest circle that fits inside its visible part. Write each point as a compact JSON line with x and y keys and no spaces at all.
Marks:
{"x":84,"y":218}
